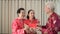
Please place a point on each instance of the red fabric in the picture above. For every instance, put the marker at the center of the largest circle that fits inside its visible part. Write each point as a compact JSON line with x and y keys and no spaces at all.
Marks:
{"x":32,"y":24}
{"x":17,"y":26}
{"x":50,"y":24}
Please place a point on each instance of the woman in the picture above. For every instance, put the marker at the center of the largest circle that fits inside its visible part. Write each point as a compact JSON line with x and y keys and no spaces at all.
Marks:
{"x":50,"y":27}
{"x":18,"y":23}
{"x":31,"y":22}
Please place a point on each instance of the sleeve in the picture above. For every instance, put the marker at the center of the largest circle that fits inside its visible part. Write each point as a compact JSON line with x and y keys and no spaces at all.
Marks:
{"x":15,"y":29}
{"x":50,"y":25}
{"x":38,"y":23}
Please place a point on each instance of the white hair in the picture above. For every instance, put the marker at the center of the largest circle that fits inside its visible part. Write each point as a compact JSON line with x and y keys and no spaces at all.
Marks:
{"x":50,"y":5}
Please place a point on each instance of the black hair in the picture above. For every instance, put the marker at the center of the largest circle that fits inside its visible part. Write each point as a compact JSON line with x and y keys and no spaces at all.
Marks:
{"x":19,"y":10}
{"x":28,"y":13}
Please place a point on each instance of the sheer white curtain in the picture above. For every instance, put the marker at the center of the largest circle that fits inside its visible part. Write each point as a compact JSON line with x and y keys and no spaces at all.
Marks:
{"x":8,"y":9}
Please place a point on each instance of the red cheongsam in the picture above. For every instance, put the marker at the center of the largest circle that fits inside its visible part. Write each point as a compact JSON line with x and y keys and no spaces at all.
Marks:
{"x":50,"y":26}
{"x":32,"y":24}
{"x":17,"y":26}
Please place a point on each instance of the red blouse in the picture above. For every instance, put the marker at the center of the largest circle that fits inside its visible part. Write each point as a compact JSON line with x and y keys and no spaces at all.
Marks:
{"x":17,"y":26}
{"x":32,"y":24}
{"x":49,"y":28}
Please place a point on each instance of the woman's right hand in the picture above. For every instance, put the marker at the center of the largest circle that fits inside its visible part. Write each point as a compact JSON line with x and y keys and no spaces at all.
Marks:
{"x":26,"y":28}
{"x":33,"y":30}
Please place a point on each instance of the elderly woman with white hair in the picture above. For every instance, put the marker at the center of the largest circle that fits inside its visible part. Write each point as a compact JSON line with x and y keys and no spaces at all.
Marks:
{"x":50,"y":27}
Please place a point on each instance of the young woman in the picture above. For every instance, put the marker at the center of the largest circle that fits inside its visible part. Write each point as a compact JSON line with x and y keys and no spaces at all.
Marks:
{"x":18,"y":23}
{"x":31,"y":22}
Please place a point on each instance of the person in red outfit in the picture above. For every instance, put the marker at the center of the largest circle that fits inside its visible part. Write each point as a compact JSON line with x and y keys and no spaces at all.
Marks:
{"x":18,"y":23}
{"x":50,"y":27}
{"x":31,"y":22}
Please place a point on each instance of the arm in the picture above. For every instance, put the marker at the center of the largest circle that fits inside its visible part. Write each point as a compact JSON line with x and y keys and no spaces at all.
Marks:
{"x":51,"y":23}
{"x":49,"y":26}
{"x":14,"y":27}
{"x":26,"y":28}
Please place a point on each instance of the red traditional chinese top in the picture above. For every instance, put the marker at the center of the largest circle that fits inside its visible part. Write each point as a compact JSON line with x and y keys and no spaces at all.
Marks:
{"x":32,"y":23}
{"x":50,"y":26}
{"x":17,"y":26}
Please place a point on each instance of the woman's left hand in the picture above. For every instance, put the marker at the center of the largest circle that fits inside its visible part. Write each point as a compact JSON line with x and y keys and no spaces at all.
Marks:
{"x":33,"y":30}
{"x":38,"y":28}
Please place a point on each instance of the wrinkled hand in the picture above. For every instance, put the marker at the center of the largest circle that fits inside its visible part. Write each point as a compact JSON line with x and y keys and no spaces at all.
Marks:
{"x":45,"y":32}
{"x":38,"y":28}
{"x":33,"y":30}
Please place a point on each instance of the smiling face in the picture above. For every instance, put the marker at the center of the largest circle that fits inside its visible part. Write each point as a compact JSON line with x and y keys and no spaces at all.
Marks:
{"x":22,"y":14}
{"x":31,"y":14}
{"x":49,"y":7}
{"x":47,"y":10}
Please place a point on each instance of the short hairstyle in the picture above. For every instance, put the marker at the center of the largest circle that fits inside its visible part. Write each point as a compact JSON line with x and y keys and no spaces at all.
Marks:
{"x":19,"y":10}
{"x":50,"y":5}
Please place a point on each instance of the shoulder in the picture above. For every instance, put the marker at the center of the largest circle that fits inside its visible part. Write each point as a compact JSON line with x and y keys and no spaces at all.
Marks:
{"x":36,"y":20}
{"x":26,"y":20}
{"x":55,"y":15}
{"x":15,"y":20}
